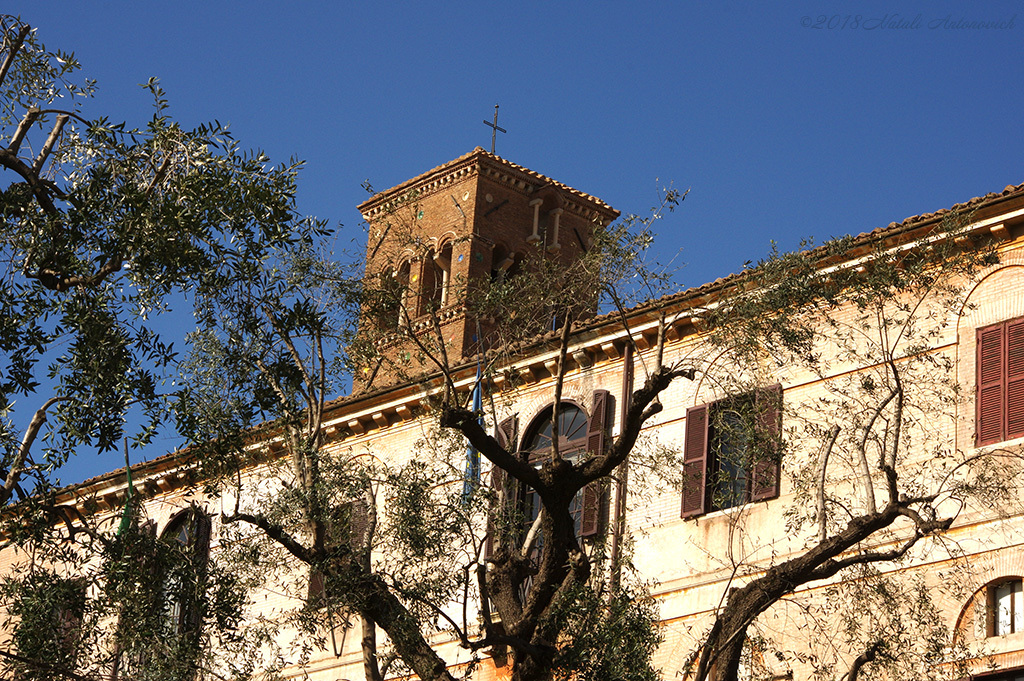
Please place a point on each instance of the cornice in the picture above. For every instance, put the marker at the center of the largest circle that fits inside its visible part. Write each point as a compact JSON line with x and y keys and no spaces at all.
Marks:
{"x":496,"y":169}
{"x":997,"y":216}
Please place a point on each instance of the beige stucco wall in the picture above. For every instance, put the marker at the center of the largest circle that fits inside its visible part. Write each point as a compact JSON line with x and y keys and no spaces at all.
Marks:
{"x":692,"y":563}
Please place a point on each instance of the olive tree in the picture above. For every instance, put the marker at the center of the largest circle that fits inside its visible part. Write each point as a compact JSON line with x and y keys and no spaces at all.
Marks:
{"x":869,"y":452}
{"x":268,"y":356}
{"x":106,"y":227}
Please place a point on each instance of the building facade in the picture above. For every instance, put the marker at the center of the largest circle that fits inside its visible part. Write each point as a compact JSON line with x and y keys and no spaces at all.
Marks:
{"x":698,"y":514}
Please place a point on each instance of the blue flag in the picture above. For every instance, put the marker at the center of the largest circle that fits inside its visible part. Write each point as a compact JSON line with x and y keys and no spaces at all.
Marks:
{"x":472,"y":476}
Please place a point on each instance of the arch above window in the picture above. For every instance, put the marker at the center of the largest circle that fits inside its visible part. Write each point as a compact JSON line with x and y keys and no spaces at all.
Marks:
{"x":189,"y":533}
{"x":578,"y":435}
{"x":996,"y":609}
{"x":571,"y":429}
{"x":436,"y":279}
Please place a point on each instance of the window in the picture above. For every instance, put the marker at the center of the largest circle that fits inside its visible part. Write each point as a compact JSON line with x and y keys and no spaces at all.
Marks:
{"x":189,"y":534}
{"x":1005,"y":608}
{"x":436,"y":280}
{"x":390,"y":298}
{"x":577,"y":435}
{"x":348,"y":525}
{"x":1000,"y":382}
{"x":175,"y":593}
{"x":731,"y":452}
{"x":48,"y":633}
{"x":572,"y":443}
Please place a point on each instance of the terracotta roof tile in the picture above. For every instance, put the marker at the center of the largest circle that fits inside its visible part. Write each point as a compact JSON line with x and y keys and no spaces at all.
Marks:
{"x":481,"y":153}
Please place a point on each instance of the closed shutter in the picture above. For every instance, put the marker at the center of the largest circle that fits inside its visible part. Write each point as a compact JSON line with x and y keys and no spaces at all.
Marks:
{"x":766,"y":468}
{"x":506,"y":437}
{"x":1014,"y":379}
{"x":991,"y":413}
{"x":695,"y":461}
{"x":590,"y":523}
{"x":358,"y":524}
{"x":316,"y":592}
{"x":190,"y":616}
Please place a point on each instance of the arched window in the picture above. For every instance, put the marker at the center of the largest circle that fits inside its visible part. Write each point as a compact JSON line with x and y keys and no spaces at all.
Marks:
{"x":578,"y":435}
{"x":394,"y":287}
{"x":571,"y":431}
{"x":436,"y":279}
{"x":188,"y":535}
{"x":996,"y":609}
{"x":504,"y":265}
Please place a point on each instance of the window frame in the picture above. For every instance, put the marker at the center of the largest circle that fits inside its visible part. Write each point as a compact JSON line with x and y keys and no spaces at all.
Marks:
{"x":570,"y":449}
{"x":590,"y":443}
{"x":349,"y":524}
{"x":63,"y":617}
{"x":184,"y":613}
{"x":701,"y":455}
{"x":993,"y":603}
{"x":999,"y":382}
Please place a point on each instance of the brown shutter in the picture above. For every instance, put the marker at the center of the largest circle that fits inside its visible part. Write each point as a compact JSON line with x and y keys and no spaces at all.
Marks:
{"x":590,"y":523}
{"x":695,"y":459}
{"x":1014,"y":379}
{"x":766,"y":468}
{"x":358,"y":523}
{"x":596,"y":425}
{"x":506,"y":433}
{"x":506,"y":437}
{"x":190,"y":615}
{"x":316,"y":592}
{"x":991,"y":413}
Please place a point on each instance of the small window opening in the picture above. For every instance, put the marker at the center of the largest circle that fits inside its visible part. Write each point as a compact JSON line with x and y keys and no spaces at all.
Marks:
{"x":1006,"y":608}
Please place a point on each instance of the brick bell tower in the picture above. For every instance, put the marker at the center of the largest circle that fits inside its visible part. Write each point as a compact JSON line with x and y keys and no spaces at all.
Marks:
{"x":466,"y":221}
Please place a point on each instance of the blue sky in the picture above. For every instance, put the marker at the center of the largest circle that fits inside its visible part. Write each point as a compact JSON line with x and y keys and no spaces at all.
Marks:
{"x":786,"y":120}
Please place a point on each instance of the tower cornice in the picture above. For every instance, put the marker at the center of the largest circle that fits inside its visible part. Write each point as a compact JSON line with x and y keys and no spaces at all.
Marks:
{"x":480,"y":162}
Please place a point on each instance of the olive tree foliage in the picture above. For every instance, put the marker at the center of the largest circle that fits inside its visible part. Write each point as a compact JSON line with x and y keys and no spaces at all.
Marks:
{"x":371,"y":544}
{"x":105,"y":226}
{"x":102,"y":223}
{"x":870,"y":453}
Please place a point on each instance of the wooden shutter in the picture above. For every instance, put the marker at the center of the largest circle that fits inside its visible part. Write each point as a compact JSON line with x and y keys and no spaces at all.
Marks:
{"x":316,"y":591}
{"x":1014,"y":379}
{"x":506,"y":437}
{"x":590,"y":522}
{"x":695,"y":461}
{"x":766,"y":465}
{"x":358,"y":524}
{"x":200,"y":529}
{"x":506,"y":433}
{"x":991,"y":412}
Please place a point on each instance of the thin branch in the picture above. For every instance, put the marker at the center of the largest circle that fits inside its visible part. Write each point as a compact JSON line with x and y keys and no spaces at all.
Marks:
{"x":620,"y":310}
{"x":159,"y":175}
{"x":563,"y":348}
{"x":292,"y":350}
{"x":531,"y":535}
{"x":826,"y":450}
{"x":271,"y":378}
{"x":44,"y":153}
{"x":889,"y":455}
{"x":272,"y":530}
{"x":862,"y":659}
{"x":24,"y":126}
{"x":17,"y":466}
{"x":12,"y":51}
{"x":865,"y":467}
{"x":43,"y":666}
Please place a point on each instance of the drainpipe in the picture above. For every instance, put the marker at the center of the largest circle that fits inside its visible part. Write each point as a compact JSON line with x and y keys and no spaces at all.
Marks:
{"x":618,"y":519}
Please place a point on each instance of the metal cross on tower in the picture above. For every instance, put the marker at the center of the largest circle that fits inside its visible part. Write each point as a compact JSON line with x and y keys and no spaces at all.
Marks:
{"x":494,"y":127}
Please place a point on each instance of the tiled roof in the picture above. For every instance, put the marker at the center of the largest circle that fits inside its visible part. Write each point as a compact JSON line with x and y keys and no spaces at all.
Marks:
{"x":481,"y":154}
{"x":893,"y":230}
